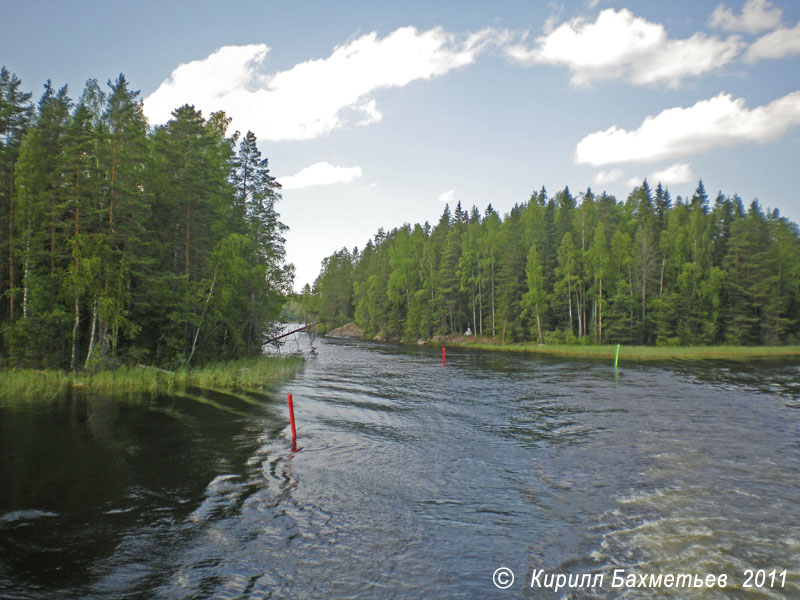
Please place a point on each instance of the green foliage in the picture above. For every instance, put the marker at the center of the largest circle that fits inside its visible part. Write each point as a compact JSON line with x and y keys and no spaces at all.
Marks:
{"x":588,"y":271}
{"x":122,"y":244}
{"x":242,"y":374}
{"x":557,"y":347}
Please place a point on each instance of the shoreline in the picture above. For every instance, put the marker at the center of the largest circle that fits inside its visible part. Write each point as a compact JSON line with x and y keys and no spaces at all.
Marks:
{"x":636,"y":353}
{"x":235,"y":375}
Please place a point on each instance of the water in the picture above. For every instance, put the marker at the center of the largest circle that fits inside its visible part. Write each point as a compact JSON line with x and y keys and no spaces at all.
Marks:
{"x":411,"y":480}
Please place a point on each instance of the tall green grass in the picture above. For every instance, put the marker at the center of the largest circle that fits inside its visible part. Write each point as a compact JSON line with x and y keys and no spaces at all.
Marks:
{"x":244,"y":374}
{"x":643,"y":353}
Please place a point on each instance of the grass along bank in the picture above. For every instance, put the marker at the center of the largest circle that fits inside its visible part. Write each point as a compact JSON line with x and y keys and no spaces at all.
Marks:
{"x":243,"y":374}
{"x":638,"y":353}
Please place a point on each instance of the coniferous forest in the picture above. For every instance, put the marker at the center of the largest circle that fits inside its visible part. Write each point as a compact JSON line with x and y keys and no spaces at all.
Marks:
{"x":121,"y":243}
{"x":585,"y":269}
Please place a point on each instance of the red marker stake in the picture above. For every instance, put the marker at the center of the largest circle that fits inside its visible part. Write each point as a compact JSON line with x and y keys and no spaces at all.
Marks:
{"x":442,"y":355}
{"x":291,"y":420}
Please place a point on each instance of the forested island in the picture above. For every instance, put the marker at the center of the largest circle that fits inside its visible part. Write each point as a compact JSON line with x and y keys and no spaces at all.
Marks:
{"x":126,"y":244}
{"x":576,"y":270}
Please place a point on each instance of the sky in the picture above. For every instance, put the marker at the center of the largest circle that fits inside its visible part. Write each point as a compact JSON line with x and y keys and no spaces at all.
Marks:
{"x":378,"y":114}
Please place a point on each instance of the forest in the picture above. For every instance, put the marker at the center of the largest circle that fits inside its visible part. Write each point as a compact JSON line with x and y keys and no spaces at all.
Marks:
{"x":576,"y":270}
{"x":121,"y":243}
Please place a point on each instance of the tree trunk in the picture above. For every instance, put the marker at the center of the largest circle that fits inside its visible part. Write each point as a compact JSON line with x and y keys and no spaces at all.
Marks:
{"x":75,"y":330}
{"x":493,"y":331}
{"x":474,"y":322}
{"x":113,"y":182}
{"x":76,"y":326}
{"x":569,"y":304}
{"x":188,"y":219}
{"x":245,"y":171}
{"x":11,"y":246}
{"x":102,"y":338}
{"x":539,"y":324}
{"x":92,"y":336}
{"x":202,"y":316}
{"x":432,"y":298}
{"x":480,"y":301}
{"x":52,"y":236}
{"x":25,"y":277}
{"x":250,"y":326}
{"x":431,"y":306}
{"x":600,"y":312}
{"x":114,"y":339}
{"x":630,"y":296}
{"x":644,"y":308}
{"x":583,"y":305}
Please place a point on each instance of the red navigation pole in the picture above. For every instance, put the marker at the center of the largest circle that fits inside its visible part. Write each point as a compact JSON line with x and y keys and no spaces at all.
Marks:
{"x":442,"y":355}
{"x":291,"y":420}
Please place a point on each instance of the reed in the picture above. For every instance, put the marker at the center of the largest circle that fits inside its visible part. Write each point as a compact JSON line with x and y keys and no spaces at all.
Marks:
{"x":243,"y":374}
{"x":642,"y":353}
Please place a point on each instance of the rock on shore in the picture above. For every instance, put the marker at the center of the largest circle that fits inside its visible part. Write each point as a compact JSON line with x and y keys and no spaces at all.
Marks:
{"x":348,"y":331}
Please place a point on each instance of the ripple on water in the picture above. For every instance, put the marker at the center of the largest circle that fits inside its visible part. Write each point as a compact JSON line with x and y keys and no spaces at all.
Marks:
{"x":413,"y":480}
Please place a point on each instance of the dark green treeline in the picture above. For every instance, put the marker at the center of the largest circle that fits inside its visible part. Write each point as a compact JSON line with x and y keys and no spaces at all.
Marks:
{"x":121,"y":243}
{"x":578,"y":270}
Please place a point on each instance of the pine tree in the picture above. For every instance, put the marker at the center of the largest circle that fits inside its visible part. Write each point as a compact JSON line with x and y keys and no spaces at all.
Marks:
{"x":79,"y":185}
{"x":597,"y":259}
{"x":16,"y":113}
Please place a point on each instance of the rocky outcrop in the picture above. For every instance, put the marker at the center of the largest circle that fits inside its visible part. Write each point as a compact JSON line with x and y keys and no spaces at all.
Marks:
{"x":350,"y":331}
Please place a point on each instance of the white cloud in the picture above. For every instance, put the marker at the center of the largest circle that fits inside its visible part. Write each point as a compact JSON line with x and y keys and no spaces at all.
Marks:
{"x":679,"y":132}
{"x":757,"y":16}
{"x":321,"y":173}
{"x":606,"y":177}
{"x":672,"y":175}
{"x":211,"y":84}
{"x":318,"y":96}
{"x":634,"y":182}
{"x":449,"y":196}
{"x":777,"y":44}
{"x":621,"y":45}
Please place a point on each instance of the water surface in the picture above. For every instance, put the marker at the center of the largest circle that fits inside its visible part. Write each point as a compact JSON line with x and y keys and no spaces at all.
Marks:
{"x":411,"y":480}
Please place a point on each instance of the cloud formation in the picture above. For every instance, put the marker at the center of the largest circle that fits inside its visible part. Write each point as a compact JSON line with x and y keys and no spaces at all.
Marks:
{"x":757,"y":16}
{"x":606,"y":177}
{"x":672,"y":175}
{"x":449,"y":196}
{"x":315,"y":97}
{"x":621,"y":45}
{"x":678,"y":132}
{"x":777,"y":44}
{"x":634,"y":182}
{"x":321,"y":173}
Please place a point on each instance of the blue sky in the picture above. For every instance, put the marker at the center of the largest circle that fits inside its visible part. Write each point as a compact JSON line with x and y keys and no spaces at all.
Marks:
{"x":375,"y":114}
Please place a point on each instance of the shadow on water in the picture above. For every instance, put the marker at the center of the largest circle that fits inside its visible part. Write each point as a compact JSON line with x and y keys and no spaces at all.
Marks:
{"x":87,"y":479}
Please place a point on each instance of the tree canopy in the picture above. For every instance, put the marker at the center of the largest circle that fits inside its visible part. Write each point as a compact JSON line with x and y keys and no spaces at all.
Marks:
{"x":125,"y":243}
{"x":585,"y":269}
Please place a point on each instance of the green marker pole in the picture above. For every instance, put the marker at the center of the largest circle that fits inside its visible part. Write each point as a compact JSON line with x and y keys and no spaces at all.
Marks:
{"x":616,"y":358}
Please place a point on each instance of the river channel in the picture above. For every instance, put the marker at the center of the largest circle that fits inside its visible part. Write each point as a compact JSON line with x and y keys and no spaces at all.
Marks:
{"x":411,"y":480}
